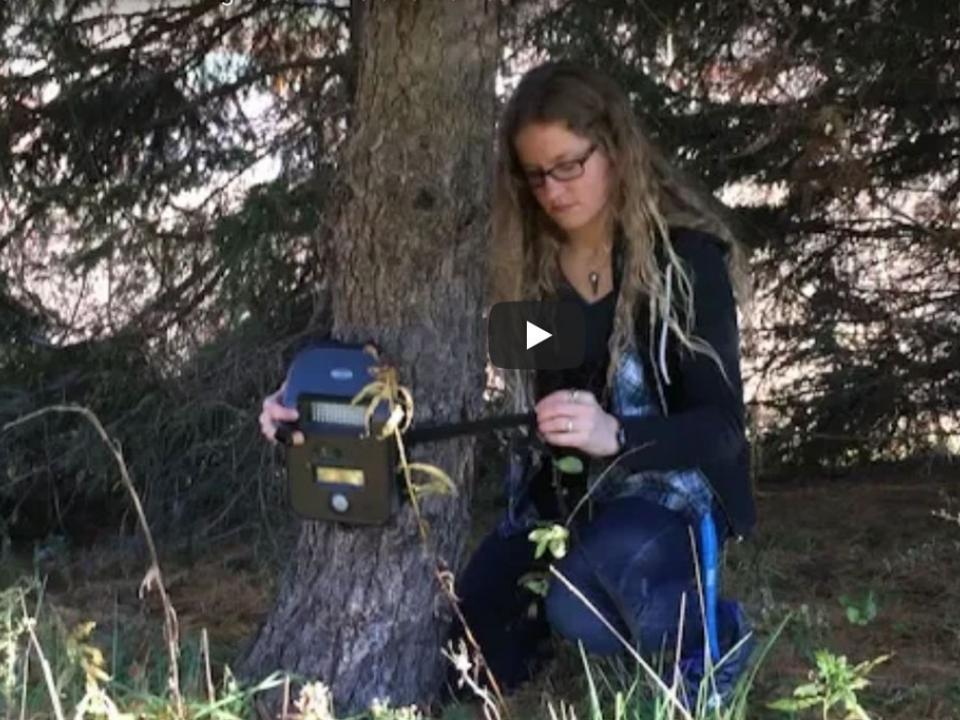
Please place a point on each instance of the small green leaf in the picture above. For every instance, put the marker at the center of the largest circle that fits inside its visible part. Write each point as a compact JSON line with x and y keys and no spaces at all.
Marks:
{"x":569,"y":464}
{"x":539,"y":536}
{"x":558,"y":547}
{"x":536,"y":582}
{"x":552,"y":538}
{"x":792,"y":706}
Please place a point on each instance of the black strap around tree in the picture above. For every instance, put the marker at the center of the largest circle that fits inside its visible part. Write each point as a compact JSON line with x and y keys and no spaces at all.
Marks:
{"x":442,"y":431}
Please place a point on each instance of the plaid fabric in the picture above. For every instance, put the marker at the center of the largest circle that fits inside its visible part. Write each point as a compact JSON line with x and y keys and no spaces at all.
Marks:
{"x":684,"y":491}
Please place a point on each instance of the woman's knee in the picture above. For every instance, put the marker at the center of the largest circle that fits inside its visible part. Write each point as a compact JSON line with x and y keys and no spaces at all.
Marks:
{"x":571,"y":618}
{"x":624,"y":528}
{"x":632,"y":563}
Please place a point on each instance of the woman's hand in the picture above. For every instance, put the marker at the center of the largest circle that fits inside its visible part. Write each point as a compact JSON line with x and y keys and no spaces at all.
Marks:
{"x":274,"y":413}
{"x":574,"y":418}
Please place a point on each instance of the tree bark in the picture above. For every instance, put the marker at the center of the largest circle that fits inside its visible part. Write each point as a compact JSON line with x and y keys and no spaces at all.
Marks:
{"x":359,"y":607}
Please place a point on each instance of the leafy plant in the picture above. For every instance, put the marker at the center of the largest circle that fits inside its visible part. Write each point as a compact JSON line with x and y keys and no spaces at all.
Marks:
{"x":553,"y":538}
{"x":860,"y":611}
{"x":835,"y":682}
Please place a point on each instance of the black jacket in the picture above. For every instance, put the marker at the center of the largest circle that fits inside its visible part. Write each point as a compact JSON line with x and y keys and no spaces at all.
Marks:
{"x":703,"y":423}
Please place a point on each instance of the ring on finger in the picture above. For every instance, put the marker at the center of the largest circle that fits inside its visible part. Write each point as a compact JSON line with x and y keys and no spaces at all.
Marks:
{"x":569,"y":426}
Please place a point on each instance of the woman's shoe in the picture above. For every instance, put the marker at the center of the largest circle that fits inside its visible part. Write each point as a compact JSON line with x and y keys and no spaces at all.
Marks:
{"x":736,"y":647}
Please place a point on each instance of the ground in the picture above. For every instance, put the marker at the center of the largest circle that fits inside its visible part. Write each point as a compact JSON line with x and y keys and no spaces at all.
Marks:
{"x":821,"y":541}
{"x":821,"y":545}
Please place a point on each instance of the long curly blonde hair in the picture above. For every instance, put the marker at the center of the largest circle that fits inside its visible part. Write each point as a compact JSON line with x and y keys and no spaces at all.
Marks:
{"x":648,"y":196}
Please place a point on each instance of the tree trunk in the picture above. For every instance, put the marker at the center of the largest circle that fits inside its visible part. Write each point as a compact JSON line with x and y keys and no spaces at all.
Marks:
{"x":359,"y":608}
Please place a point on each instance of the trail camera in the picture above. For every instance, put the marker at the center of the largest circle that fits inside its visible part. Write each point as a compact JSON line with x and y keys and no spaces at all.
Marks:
{"x":338,"y":473}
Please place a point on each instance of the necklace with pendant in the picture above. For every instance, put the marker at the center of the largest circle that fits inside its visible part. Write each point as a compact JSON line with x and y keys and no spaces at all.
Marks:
{"x":594,"y":278}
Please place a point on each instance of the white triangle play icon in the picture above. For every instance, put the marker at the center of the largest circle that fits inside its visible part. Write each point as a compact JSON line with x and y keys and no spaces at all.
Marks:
{"x":536,"y":335}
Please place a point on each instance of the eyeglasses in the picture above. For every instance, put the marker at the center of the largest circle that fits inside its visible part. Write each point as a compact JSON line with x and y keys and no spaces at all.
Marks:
{"x":563,"y":171}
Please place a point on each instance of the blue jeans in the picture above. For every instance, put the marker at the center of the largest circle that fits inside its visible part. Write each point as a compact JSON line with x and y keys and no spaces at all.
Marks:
{"x":632,"y":560}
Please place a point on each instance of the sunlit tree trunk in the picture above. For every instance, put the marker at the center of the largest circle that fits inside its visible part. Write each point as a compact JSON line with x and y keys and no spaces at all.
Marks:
{"x":359,"y":608}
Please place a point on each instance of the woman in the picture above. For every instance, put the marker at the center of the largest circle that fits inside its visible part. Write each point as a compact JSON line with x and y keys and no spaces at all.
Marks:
{"x":586,"y":210}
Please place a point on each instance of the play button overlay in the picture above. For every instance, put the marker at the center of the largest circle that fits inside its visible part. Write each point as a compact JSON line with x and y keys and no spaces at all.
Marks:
{"x":548,"y":335}
{"x":536,"y":335}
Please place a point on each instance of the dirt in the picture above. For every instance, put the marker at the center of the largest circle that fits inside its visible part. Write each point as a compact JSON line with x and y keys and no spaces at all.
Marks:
{"x":827,"y":544}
